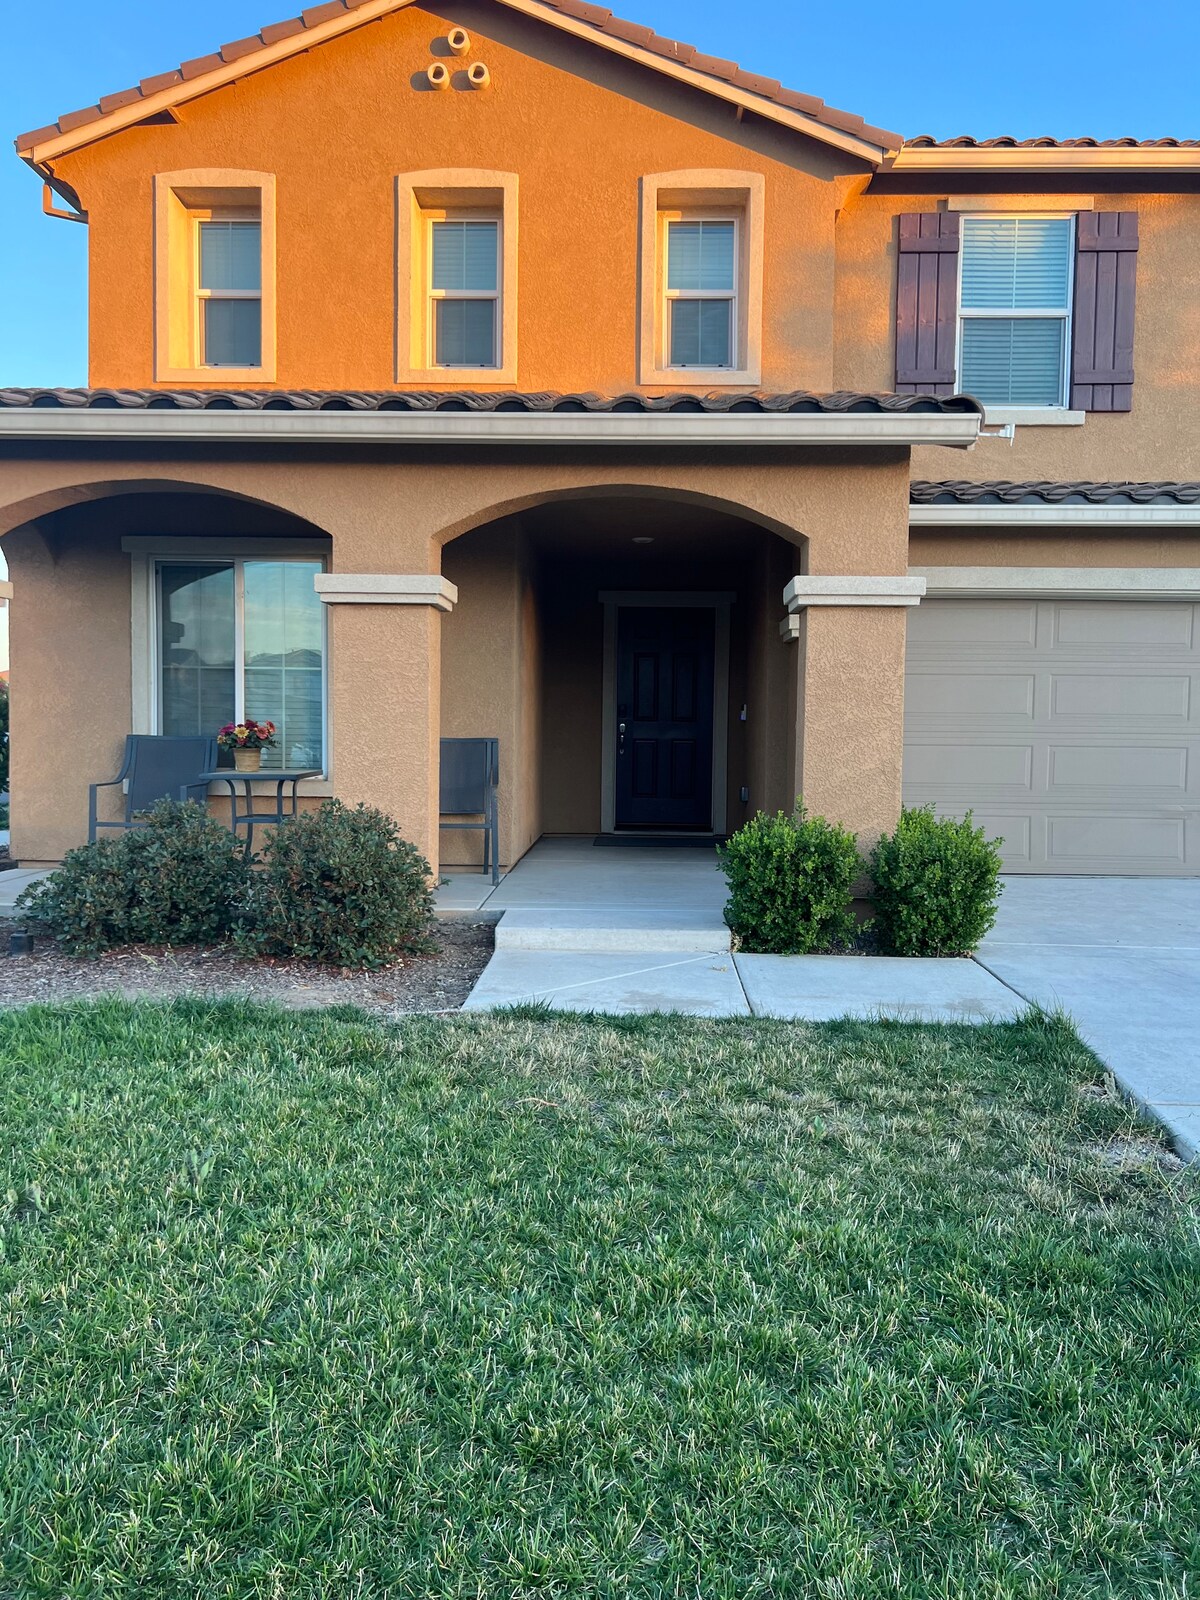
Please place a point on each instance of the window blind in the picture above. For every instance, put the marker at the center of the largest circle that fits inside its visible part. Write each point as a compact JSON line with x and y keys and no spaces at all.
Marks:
{"x":231,"y":257}
{"x":464,"y":257}
{"x":700,"y":256}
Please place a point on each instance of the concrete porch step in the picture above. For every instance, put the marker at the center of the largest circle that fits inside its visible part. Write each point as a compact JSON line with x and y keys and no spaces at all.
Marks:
{"x":612,"y":929}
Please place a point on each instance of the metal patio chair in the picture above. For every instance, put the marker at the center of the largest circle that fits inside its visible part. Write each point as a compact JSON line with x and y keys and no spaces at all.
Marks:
{"x":155,"y":767}
{"x":470,"y":779}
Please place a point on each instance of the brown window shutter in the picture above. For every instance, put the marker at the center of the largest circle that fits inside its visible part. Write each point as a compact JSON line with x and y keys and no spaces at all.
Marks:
{"x":1102,"y":339}
{"x":927,"y":302}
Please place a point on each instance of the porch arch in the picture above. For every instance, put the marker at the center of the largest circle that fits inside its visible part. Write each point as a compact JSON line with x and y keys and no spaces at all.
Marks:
{"x":599,"y":489}
{"x":48,"y":502}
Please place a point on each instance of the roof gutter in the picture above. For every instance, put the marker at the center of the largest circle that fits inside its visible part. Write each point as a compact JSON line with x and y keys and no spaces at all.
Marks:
{"x":1042,"y":158}
{"x":818,"y":430}
{"x":1027,"y":515}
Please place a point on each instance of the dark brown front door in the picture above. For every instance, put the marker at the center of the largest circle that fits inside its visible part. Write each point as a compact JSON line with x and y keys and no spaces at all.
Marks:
{"x":664,"y":733}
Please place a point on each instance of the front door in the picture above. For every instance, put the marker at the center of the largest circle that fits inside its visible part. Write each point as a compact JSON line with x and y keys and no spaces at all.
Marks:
{"x":664,"y":732}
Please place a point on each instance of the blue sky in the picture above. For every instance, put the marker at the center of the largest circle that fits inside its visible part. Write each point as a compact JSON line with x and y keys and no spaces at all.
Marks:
{"x":1061,"y":67}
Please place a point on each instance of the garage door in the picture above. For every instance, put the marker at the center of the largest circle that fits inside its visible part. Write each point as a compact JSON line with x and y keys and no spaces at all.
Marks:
{"x":1071,"y":728}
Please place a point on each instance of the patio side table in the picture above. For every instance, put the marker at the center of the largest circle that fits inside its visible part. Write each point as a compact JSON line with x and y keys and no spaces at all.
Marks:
{"x":285,"y":805}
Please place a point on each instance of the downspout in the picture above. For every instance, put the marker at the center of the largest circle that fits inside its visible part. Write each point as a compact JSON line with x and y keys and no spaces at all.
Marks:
{"x":52,"y":185}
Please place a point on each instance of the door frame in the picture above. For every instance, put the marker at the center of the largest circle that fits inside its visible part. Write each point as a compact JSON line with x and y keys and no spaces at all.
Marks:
{"x":719,"y":602}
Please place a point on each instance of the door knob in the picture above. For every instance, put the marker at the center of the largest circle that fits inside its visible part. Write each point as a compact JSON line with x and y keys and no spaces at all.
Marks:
{"x":621,"y":738}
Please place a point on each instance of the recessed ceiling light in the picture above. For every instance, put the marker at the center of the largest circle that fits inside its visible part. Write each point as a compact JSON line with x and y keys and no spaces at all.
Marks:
{"x":643,"y":538}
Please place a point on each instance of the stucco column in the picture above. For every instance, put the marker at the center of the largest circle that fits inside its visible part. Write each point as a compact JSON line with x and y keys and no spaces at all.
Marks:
{"x":849,"y":733}
{"x":385,"y":694}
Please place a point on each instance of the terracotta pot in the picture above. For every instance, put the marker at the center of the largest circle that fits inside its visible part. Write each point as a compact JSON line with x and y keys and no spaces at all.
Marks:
{"x":247,"y":760}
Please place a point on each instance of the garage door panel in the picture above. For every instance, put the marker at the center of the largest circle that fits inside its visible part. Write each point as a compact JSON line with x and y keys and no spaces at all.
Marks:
{"x":1004,"y":622}
{"x":1120,"y":624}
{"x":937,"y":695}
{"x":956,"y":769}
{"x":1071,"y":729}
{"x":1109,"y":695}
{"x":1125,"y":768}
{"x":1081,"y":840}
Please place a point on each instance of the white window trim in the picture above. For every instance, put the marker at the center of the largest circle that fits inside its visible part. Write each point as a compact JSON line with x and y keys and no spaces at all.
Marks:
{"x":179,"y":197}
{"x":671,"y":296}
{"x":430,"y":220}
{"x":147,"y":555}
{"x":699,"y":192}
{"x":1060,"y":407}
{"x":441,"y":193}
{"x":197,"y":219}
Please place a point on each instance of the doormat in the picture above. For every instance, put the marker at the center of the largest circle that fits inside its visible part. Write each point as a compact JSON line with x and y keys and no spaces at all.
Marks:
{"x":660,"y":841}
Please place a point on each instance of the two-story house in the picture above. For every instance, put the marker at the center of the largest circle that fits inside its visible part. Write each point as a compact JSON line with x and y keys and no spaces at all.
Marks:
{"x":510,"y":370}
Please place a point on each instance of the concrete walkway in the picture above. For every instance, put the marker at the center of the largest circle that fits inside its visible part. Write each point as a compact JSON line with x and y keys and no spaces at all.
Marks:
{"x":1122,"y":957}
{"x":604,"y":928}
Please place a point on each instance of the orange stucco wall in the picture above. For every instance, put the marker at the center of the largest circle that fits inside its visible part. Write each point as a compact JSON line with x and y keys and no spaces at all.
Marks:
{"x":579,"y":127}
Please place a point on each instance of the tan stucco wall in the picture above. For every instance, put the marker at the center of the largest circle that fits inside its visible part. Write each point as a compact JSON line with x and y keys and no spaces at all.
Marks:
{"x":1157,"y":440}
{"x":491,"y":678}
{"x":1099,"y":547}
{"x":335,"y":127}
{"x":71,"y":677}
{"x":833,"y":513}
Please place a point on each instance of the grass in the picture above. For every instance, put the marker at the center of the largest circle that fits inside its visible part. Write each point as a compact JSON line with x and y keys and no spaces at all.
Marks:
{"x":299,"y":1306}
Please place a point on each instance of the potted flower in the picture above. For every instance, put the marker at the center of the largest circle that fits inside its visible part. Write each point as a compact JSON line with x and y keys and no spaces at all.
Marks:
{"x":247,"y":740}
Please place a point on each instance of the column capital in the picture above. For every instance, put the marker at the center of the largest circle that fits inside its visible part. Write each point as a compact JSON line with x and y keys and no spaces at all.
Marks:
{"x":802,"y":592}
{"x":6,"y":591}
{"x":385,"y":589}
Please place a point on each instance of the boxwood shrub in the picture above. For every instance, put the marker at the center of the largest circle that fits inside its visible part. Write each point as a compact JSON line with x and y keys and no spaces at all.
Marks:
{"x":179,"y":879}
{"x":937,"y":884}
{"x":339,"y":885}
{"x":791,"y":882}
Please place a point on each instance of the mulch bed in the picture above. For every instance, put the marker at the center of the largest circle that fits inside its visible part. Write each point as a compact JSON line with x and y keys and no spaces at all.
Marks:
{"x":437,"y":982}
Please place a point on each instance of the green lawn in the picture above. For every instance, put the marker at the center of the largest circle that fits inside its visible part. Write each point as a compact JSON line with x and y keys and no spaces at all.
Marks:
{"x":300,"y":1306}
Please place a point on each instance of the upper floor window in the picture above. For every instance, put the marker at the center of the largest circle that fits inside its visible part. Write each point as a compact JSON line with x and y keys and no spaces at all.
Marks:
{"x":229,"y":291}
{"x":701,"y":289}
{"x":464,"y":292}
{"x":214,"y":277}
{"x":457,"y":248}
{"x":701,"y":278}
{"x":1014,"y":309}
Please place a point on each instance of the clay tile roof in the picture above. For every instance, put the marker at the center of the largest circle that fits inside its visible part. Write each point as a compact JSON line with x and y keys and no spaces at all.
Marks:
{"x":598,"y":17}
{"x":470,"y":400}
{"x":1077,"y":492}
{"x":966,"y":141}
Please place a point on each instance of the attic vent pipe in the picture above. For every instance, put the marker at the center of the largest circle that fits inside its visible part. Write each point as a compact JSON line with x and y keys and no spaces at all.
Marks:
{"x":438,"y":74}
{"x":459,"y":41}
{"x":478,"y":75}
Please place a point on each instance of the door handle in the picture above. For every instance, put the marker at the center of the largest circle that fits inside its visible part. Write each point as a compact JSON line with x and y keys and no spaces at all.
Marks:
{"x":620,"y":738}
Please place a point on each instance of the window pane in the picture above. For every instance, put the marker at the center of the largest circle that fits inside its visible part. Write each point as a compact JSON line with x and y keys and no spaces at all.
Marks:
{"x":701,"y":333}
{"x":231,"y":255}
{"x":232,"y":333}
{"x":465,"y":333}
{"x":1015,"y":361}
{"x":284,"y":653}
{"x":196,"y":648}
{"x":1009,"y":263}
{"x":464,"y":255}
{"x":700,"y":255}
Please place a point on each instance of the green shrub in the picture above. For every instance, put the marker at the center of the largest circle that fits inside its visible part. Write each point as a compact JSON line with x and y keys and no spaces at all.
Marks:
{"x":179,"y":879}
{"x":937,"y":881}
{"x":791,"y":883}
{"x":341,"y":886}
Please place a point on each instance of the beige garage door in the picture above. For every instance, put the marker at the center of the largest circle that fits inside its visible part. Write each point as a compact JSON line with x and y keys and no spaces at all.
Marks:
{"x":1070,"y":727}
